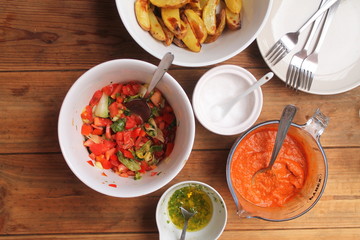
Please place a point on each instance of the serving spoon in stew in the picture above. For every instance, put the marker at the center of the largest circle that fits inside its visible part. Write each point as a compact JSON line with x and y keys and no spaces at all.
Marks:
{"x":140,"y":106}
{"x":284,"y":124}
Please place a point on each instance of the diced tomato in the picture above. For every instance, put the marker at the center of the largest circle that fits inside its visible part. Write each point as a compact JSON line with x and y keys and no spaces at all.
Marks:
{"x":144,"y":167}
{"x":92,"y":156}
{"x":130,"y":123}
{"x":119,"y":99}
{"x":109,"y":153}
{"x":161,"y":125}
{"x":156,"y":98}
{"x":137,"y":119}
{"x":136,"y":88}
{"x":120,"y":136}
{"x":153,"y":173}
{"x":127,"y":153}
{"x":97,"y":148}
{"x":122,"y":168}
{"x":108,"y":144}
{"x":95,"y":98}
{"x":114,"y":160}
{"x":112,"y":185}
{"x":104,"y":163}
{"x":114,"y":110}
{"x":169,"y":148}
{"x":102,"y":122}
{"x":86,"y":129}
{"x":130,"y":173}
{"x":135,"y":132}
{"x":108,"y":132}
{"x":90,"y":162}
{"x":108,"y":89}
{"x":128,"y":140}
{"x":127,"y":90}
{"x":116,"y":90}
{"x":98,"y":131}
{"x":86,"y":115}
{"x":88,"y":143}
{"x":168,"y":118}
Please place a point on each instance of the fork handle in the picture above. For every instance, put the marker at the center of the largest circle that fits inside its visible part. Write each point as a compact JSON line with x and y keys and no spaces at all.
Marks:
{"x":327,"y":23}
{"x":314,"y":29}
{"x":322,"y":9}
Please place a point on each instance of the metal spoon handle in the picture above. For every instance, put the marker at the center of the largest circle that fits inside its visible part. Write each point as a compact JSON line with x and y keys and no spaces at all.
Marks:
{"x":163,"y":66}
{"x":285,"y":122}
{"x":183,"y":233}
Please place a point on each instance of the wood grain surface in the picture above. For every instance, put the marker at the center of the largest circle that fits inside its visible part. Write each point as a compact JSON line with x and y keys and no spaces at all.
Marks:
{"x":46,"y":45}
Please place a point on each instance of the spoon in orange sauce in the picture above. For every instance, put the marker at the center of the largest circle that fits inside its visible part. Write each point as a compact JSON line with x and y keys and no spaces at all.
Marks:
{"x":284,"y":124}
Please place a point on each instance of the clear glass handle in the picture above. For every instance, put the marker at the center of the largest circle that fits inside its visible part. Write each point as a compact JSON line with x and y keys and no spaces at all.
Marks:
{"x":316,"y":124}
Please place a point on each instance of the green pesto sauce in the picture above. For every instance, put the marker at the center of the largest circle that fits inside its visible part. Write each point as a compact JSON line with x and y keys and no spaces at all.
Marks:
{"x":193,"y":199}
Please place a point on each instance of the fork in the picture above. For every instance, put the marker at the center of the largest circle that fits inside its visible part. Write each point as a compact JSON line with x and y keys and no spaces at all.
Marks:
{"x":293,"y":72}
{"x":310,"y":64}
{"x":287,"y":42}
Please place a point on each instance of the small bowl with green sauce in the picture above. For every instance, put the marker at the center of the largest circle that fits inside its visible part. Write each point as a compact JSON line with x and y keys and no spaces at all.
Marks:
{"x":208,"y":222}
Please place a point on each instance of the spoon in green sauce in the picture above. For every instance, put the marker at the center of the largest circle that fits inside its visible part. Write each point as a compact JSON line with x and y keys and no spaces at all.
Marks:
{"x":187,"y":215}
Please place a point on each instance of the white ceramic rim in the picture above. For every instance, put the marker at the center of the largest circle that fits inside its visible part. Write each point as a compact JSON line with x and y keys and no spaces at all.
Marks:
{"x":254,"y":115}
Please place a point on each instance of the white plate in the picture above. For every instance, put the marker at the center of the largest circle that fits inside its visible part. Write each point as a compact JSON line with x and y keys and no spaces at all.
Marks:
{"x":339,"y":57}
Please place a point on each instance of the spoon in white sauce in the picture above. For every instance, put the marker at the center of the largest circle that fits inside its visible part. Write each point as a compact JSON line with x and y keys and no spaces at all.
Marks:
{"x":221,"y":109}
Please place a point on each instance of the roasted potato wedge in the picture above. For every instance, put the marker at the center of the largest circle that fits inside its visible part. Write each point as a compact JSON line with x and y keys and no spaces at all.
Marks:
{"x":179,"y":43}
{"x":209,"y":16}
{"x":198,"y":4}
{"x":197,"y":25}
{"x":220,"y":26}
{"x":190,"y":39}
{"x":142,"y":13}
{"x":171,"y":18}
{"x":168,"y":34}
{"x":234,"y":5}
{"x":233,"y":20}
{"x":155,"y":28}
{"x":169,"y":3}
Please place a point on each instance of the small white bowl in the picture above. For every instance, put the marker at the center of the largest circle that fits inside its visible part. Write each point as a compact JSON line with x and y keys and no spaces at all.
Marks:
{"x":71,"y":140}
{"x":218,"y":84}
{"x":229,"y":44}
{"x":168,"y":231}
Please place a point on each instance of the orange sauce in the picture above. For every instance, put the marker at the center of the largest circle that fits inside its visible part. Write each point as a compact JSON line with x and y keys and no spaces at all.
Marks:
{"x":277,"y":186}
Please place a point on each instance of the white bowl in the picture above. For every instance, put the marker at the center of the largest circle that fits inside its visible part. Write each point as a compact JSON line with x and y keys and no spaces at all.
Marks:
{"x":230,"y":43}
{"x":168,"y":231}
{"x":219,"y":84}
{"x":71,"y":140}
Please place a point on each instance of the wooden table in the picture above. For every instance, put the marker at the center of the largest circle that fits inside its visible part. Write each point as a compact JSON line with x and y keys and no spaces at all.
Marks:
{"x":46,"y":45}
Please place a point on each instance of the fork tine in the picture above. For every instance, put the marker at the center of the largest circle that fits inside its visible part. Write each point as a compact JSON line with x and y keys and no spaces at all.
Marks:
{"x":310,"y":81}
{"x":278,"y":56}
{"x":296,"y":80}
{"x":276,"y":53}
{"x":292,"y":78}
{"x":271,"y":51}
{"x":281,"y":56}
{"x":289,"y":75}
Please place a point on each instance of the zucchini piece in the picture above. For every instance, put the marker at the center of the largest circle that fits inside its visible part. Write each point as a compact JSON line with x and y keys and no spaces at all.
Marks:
{"x":101,"y":109}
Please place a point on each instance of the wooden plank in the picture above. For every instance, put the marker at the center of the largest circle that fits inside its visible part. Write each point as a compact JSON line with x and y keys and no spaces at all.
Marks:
{"x":76,"y":35}
{"x":40,"y":195}
{"x":31,"y":102}
{"x":281,"y":234}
